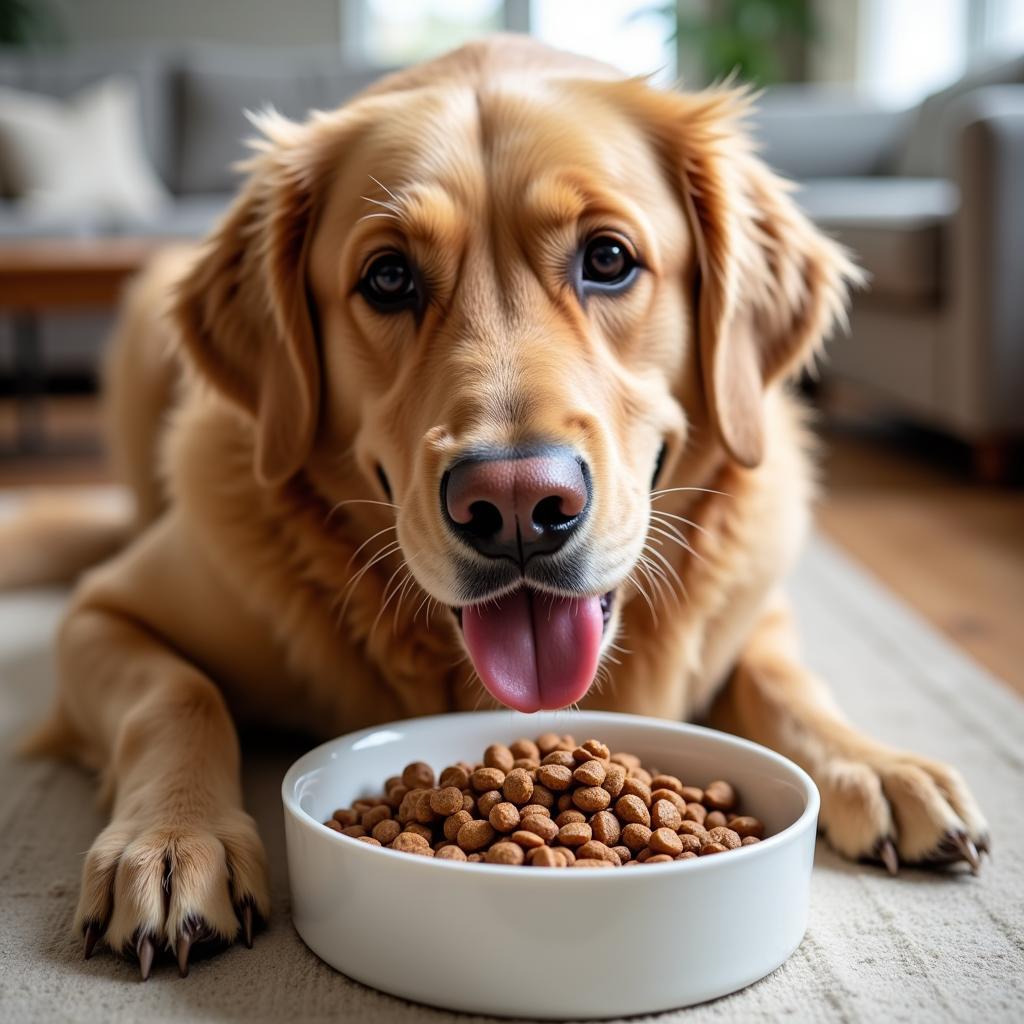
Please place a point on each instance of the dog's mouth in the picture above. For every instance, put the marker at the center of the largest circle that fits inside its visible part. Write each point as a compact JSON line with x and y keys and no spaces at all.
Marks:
{"x":534,"y":650}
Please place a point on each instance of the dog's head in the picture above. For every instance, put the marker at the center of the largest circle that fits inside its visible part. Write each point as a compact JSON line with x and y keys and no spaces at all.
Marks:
{"x":512,"y":307}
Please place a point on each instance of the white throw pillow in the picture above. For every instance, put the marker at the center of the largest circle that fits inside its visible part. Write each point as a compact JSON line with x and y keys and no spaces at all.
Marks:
{"x":80,"y":160}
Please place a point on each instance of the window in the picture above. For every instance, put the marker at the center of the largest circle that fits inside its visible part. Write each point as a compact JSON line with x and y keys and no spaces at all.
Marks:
{"x":634,"y":35}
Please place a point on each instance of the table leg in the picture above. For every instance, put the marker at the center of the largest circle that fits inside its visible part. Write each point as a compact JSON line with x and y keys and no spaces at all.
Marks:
{"x":31,"y":380}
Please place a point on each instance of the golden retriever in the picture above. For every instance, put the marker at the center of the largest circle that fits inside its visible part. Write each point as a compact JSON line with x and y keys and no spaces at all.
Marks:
{"x":489,"y":362}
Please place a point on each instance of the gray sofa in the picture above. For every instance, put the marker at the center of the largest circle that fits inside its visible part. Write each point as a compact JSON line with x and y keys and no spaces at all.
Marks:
{"x":192,"y":104}
{"x":932,"y":202}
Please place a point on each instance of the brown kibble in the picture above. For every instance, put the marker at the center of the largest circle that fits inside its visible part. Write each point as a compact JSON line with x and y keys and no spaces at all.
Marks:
{"x":518,"y":787}
{"x":719,"y":796}
{"x":559,"y":757}
{"x":554,"y":776}
{"x":486,"y":802}
{"x":592,"y":863}
{"x":385,"y":832}
{"x":716,"y":819}
{"x":454,"y":775}
{"x":665,"y":840}
{"x":665,"y":814}
{"x":417,"y":776}
{"x":729,"y":839}
{"x":505,"y":853}
{"x":548,"y":742}
{"x":534,"y":809}
{"x":606,"y":828}
{"x":692,"y":794}
{"x":345,"y":816}
{"x":591,"y":798}
{"x":545,"y":857}
{"x":594,"y":849}
{"x":636,"y":836}
{"x":626,"y":760}
{"x":691,"y":843}
{"x":446,"y":801}
{"x":544,"y":827}
{"x":687,"y":855}
{"x":709,"y":848}
{"x":486,"y":780}
{"x":745,"y":826}
{"x":576,"y":833}
{"x":409,"y":842}
{"x":696,"y":812}
{"x":667,"y":782}
{"x":396,"y":794}
{"x":614,"y":779}
{"x":564,"y":803}
{"x":497,"y":755}
{"x":567,"y":742}
{"x":468,"y":802}
{"x":640,"y":775}
{"x":504,"y":817}
{"x":567,"y":855}
{"x":332,"y":825}
{"x":370,"y":841}
{"x":474,"y":858}
{"x":421,"y":809}
{"x":354,"y":831}
{"x":543,"y":796}
{"x":594,"y":748}
{"x":475,"y":835}
{"x":644,"y":855}
{"x":632,"y":809}
{"x":454,"y":823}
{"x":525,"y":749}
{"x":692,"y":828}
{"x":659,"y":858}
{"x":567,"y":817}
{"x":416,"y":829}
{"x":673,"y":798}
{"x":637,"y":788}
{"x":623,"y":853}
{"x":749,"y":840}
{"x":590,"y":773}
{"x":527,"y":840}
{"x":450,"y":852}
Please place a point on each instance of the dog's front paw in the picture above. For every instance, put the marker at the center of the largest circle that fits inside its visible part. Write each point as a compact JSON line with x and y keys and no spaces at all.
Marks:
{"x":894,"y":807}
{"x":183,"y":887}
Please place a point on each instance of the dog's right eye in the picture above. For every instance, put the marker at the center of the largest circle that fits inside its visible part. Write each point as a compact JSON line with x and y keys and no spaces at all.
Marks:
{"x":389,"y":284}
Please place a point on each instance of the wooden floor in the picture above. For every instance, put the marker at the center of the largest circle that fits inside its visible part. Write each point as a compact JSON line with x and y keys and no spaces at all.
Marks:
{"x":902,"y":505}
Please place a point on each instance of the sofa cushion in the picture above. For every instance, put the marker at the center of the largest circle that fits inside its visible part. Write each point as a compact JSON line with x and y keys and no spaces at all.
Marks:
{"x":63,"y":73}
{"x":897,"y":228}
{"x":930,"y":147}
{"x":215,"y":87}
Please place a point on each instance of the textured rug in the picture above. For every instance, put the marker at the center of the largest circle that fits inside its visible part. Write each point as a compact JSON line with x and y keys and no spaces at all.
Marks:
{"x":922,"y":947}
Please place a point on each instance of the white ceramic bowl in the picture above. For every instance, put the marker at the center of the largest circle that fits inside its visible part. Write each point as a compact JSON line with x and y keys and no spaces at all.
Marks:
{"x":547,"y":943}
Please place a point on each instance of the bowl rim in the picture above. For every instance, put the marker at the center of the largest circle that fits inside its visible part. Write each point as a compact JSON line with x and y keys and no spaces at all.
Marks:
{"x":807,"y":818}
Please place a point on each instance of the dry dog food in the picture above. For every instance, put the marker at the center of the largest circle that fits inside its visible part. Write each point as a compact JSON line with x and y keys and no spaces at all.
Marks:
{"x":550,"y":803}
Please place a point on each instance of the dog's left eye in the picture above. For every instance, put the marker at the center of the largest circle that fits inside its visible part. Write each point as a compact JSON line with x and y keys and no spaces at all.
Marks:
{"x":607,"y":263}
{"x":389,"y":284}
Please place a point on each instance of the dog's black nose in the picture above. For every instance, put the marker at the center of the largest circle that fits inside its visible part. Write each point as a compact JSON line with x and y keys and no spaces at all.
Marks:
{"x":515,"y":506}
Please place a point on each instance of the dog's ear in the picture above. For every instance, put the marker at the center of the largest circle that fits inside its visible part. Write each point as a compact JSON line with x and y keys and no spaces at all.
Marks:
{"x":770,"y":286}
{"x":244,"y":312}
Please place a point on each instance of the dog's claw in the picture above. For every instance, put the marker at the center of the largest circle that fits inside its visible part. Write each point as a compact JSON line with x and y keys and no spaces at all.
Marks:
{"x":92,"y":934}
{"x":247,"y":925}
{"x":983,"y":845}
{"x":888,"y":856}
{"x":184,"y":946}
{"x":968,"y":851}
{"x":144,"y":951}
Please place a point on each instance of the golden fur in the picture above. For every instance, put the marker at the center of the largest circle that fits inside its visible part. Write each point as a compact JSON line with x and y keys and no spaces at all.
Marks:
{"x":270,"y":576}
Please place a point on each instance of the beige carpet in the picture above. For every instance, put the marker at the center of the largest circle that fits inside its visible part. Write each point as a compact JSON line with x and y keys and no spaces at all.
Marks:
{"x":923,"y":947}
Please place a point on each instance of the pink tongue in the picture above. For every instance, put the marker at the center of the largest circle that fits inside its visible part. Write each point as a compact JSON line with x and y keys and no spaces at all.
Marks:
{"x":535,"y":651}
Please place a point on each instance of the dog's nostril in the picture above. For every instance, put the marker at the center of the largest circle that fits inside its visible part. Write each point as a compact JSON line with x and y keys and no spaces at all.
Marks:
{"x":485,"y":520}
{"x":547,"y":513}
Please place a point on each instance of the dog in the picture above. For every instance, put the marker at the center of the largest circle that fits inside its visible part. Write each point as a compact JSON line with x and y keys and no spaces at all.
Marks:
{"x":478,"y":392}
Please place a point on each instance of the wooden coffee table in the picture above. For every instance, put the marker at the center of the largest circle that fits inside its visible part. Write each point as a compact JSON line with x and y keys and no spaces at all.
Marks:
{"x":53,"y":274}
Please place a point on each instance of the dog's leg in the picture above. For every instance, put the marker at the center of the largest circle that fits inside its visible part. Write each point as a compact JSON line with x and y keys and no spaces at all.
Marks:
{"x":876,"y":802}
{"x":180,"y":863}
